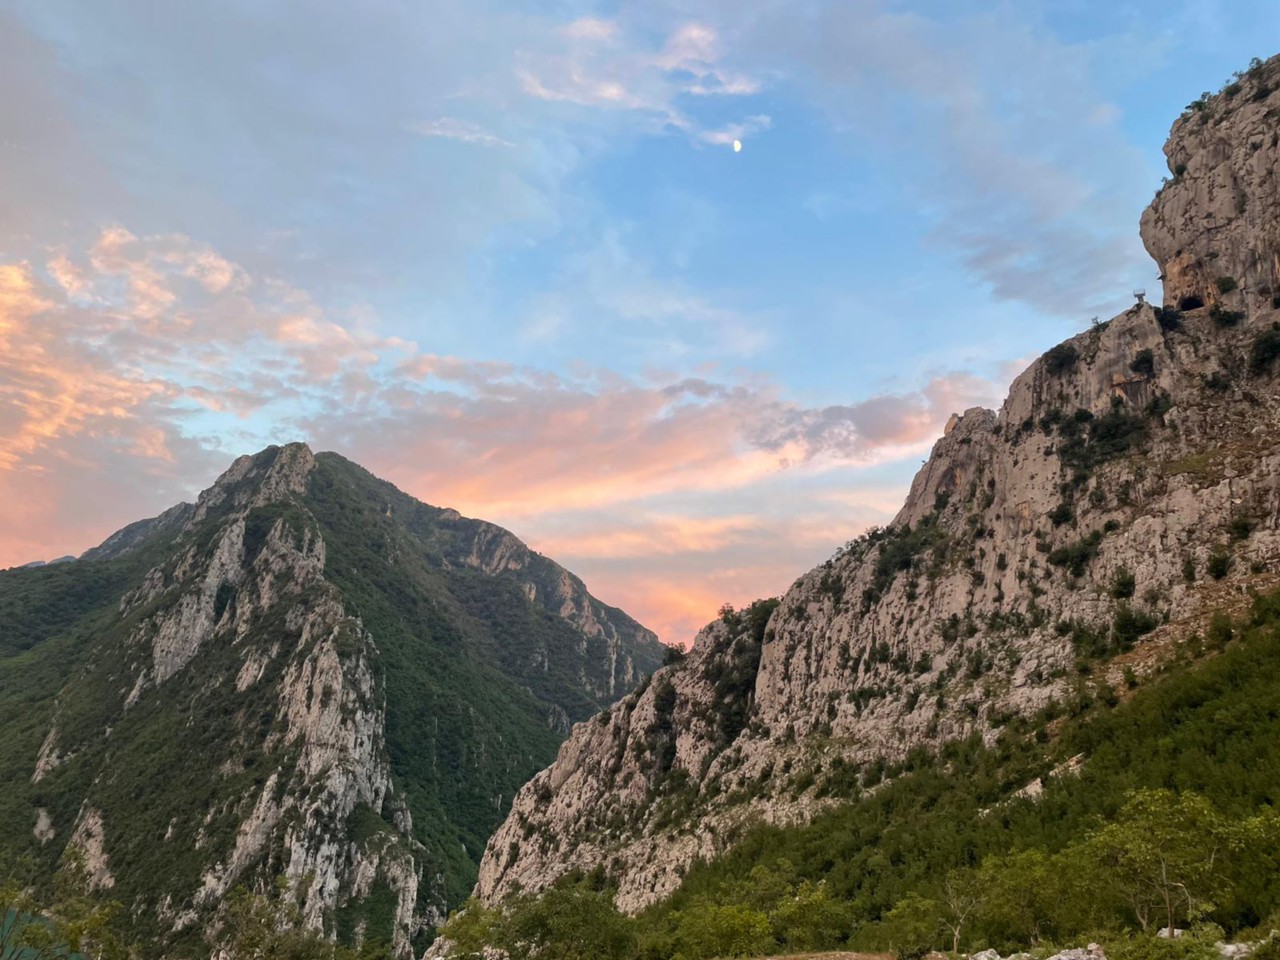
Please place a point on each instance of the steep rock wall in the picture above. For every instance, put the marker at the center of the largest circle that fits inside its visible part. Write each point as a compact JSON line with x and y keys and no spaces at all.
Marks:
{"x":1128,"y":483}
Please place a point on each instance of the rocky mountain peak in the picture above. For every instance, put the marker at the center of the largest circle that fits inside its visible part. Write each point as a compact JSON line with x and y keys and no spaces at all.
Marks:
{"x":365,"y":679}
{"x":1214,"y":227}
{"x":255,"y":480}
{"x":1125,"y":487}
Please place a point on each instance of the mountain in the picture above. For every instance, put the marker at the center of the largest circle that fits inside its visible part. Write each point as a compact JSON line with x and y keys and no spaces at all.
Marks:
{"x":306,"y":673}
{"x":1047,"y":555}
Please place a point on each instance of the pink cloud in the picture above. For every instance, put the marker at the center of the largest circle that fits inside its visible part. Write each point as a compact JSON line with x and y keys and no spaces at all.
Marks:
{"x":669,"y":495}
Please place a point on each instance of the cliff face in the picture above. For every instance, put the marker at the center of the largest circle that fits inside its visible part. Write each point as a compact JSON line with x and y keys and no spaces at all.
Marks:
{"x":1213,"y":223}
{"x":305,"y":674}
{"x":1127,"y":486}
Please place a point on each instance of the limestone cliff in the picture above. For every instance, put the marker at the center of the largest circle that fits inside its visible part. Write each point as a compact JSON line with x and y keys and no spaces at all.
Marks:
{"x":1127,"y":485}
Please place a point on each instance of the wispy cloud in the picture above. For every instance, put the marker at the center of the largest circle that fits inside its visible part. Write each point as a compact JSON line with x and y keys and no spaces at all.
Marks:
{"x":600,"y":65}
{"x":122,"y":356}
{"x":451,"y":128}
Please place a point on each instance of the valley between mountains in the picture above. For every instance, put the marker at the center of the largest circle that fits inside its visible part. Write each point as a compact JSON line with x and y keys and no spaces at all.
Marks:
{"x":1041,"y":707}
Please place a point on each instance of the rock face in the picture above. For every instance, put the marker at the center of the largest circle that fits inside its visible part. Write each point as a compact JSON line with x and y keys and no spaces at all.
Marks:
{"x":287,"y":681}
{"x":1213,"y":224}
{"x":1128,"y":484}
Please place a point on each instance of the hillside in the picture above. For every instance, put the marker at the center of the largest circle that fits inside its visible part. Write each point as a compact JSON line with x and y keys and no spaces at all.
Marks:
{"x":1048,"y":554}
{"x":306,"y":673}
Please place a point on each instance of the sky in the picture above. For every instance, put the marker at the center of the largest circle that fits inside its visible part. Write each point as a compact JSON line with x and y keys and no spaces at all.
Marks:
{"x":505,"y":255}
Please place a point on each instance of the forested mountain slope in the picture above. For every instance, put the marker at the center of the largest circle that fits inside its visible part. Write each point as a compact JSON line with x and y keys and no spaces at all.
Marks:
{"x":307,"y":673}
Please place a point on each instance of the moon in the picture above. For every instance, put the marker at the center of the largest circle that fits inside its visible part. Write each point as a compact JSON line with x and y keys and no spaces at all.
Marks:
{"x":737,"y":146}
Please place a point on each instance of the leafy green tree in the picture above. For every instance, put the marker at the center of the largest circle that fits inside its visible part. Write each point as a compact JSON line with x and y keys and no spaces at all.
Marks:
{"x":764,"y":887}
{"x":471,"y":929}
{"x":566,"y":923}
{"x":1165,"y":854}
{"x":75,"y":921}
{"x":1022,"y":894}
{"x":270,"y":927}
{"x":809,"y":918}
{"x":710,"y":930}
{"x":913,"y":927}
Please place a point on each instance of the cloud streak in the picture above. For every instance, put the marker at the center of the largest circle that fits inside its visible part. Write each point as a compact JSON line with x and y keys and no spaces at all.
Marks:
{"x":451,"y":128}
{"x":121,"y":358}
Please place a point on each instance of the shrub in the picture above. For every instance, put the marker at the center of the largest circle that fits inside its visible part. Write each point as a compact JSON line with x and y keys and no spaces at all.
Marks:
{"x":1061,"y":514}
{"x":1159,"y":405}
{"x":1220,"y":630}
{"x":1138,"y":946}
{"x":1219,"y":564}
{"x":1130,"y":624}
{"x":1123,"y":584}
{"x":1239,"y":528}
{"x":1077,"y":556}
{"x":1225,"y":284}
{"x":1217,"y":382}
{"x":1266,"y":347}
{"x":1144,"y":363}
{"x":1169,"y":318}
{"x":1224,"y":317}
{"x":1060,"y":359}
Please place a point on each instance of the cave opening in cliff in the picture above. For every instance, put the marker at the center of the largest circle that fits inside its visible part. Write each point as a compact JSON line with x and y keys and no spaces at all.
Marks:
{"x":1190,"y":302}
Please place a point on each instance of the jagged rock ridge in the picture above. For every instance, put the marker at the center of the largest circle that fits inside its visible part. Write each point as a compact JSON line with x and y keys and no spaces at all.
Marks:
{"x":1127,"y":485}
{"x":305,"y":674}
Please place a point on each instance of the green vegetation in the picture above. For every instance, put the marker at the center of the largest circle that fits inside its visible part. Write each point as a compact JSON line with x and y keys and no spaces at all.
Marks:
{"x":1123,"y":584}
{"x":1061,"y":359}
{"x":1219,"y":564}
{"x":1224,"y":317}
{"x":260,"y":927}
{"x":449,"y":638}
{"x":1086,"y":442}
{"x":1225,"y":284}
{"x":1265,"y":350}
{"x":575,"y":921}
{"x":1077,"y":556}
{"x":903,"y":549}
{"x":474,"y":675}
{"x":1169,"y":318}
{"x":1144,"y":363}
{"x":1169,"y":821}
{"x":1062,"y":513}
{"x":71,"y":923}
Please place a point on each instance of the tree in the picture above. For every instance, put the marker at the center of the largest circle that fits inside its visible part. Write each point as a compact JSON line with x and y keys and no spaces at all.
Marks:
{"x":912,"y":927}
{"x":1021,"y":893}
{"x":809,"y":918}
{"x":962,"y":895}
{"x":709,"y":930}
{"x":471,"y":929}
{"x":75,"y":921}
{"x":566,"y":923}
{"x":1165,"y":854}
{"x":270,"y":927}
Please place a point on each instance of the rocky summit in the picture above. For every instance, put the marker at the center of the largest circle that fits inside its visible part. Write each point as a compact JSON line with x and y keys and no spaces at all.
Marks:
{"x":306,"y":674}
{"x":1126,"y":489}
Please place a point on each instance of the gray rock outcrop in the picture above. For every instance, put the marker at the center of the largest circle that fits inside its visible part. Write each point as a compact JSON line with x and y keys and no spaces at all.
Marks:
{"x":1127,"y":487}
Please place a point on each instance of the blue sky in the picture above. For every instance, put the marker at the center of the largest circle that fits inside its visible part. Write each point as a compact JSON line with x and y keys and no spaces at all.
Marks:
{"x":505,"y":255}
